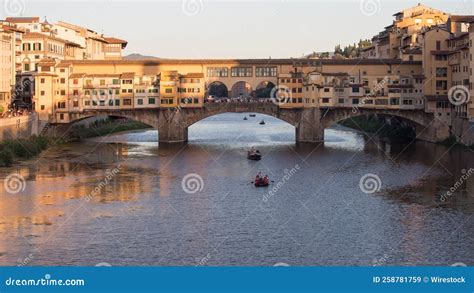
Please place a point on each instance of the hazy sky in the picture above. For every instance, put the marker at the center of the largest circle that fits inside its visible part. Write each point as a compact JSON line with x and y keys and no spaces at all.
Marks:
{"x":228,"y":29}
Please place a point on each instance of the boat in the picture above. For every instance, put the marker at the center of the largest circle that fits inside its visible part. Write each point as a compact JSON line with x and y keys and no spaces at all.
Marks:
{"x":262,"y":182}
{"x":245,"y":118}
{"x":252,"y":115}
{"x":254,"y":155}
{"x":262,"y":122}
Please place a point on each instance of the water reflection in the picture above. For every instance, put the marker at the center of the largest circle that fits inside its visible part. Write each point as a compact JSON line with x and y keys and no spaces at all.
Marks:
{"x":76,"y":210}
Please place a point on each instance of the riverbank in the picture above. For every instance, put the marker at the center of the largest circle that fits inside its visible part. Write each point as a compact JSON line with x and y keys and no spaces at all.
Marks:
{"x":383,"y":130}
{"x":12,"y":151}
{"x":15,"y":150}
{"x":106,"y":127}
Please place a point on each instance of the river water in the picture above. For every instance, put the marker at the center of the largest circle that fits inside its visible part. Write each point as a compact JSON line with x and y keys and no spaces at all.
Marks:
{"x":122,"y":200}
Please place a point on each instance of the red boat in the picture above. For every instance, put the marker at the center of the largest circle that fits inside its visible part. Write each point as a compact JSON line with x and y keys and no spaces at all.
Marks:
{"x":262,"y":182}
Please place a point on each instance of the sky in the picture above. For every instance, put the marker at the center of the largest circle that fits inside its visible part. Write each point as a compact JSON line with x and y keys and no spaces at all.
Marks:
{"x":228,"y":29}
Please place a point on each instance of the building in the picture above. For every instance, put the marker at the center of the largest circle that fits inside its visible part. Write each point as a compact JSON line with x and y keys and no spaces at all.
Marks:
{"x":43,"y":41}
{"x":10,"y":44}
{"x":68,"y":87}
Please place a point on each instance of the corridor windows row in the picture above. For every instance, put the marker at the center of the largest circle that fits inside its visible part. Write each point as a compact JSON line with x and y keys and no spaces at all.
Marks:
{"x":260,"y":71}
{"x":241,"y":72}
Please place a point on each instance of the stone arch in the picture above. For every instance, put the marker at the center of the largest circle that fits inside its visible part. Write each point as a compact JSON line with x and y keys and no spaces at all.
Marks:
{"x":424,"y":124}
{"x":263,"y":89}
{"x":241,"y":89}
{"x":270,"y":109}
{"x":148,"y":117}
{"x":218,"y":89}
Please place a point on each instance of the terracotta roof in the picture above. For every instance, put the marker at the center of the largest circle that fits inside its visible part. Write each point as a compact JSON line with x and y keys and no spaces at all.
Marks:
{"x":102,"y":75}
{"x":197,"y":75}
{"x":462,"y":18}
{"x":288,"y":61}
{"x":112,"y":40}
{"x":22,"y":19}
{"x":127,"y":75}
{"x":11,"y":28}
{"x":47,"y":61}
{"x":77,"y":75}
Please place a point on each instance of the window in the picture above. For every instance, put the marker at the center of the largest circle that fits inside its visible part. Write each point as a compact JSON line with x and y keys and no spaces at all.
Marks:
{"x":441,"y":85}
{"x":127,"y":102}
{"x":115,"y":81}
{"x":217,"y":72}
{"x":266,"y":71}
{"x":75,"y":81}
{"x":441,"y":72}
{"x":241,"y":72}
{"x":102,"y":82}
{"x":140,"y":102}
{"x":63,"y":92}
{"x":87,"y":103}
{"x":42,"y":80}
{"x":75,"y":104}
{"x":63,"y":80}
{"x":151,"y":101}
{"x":127,"y":81}
{"x":438,"y":45}
{"x":42,"y":107}
{"x":325,"y":100}
{"x":75,"y":92}
{"x":168,"y":90}
{"x":117,"y":102}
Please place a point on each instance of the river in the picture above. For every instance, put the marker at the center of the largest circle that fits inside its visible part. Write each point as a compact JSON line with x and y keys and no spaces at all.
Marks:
{"x":122,"y":200}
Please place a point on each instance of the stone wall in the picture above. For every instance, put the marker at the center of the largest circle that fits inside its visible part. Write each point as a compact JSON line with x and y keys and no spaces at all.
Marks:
{"x":19,"y":127}
{"x":463,"y":130}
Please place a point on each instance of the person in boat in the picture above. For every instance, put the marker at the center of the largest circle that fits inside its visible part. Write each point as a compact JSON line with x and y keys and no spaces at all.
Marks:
{"x":259,"y":175}
{"x":265,"y":179}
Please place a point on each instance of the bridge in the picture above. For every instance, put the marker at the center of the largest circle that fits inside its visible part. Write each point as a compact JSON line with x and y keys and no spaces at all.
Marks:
{"x":173,"y":123}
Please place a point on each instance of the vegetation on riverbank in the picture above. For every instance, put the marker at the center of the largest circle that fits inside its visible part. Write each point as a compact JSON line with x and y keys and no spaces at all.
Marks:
{"x":12,"y":151}
{"x":105,"y":127}
{"x":372,"y":124}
